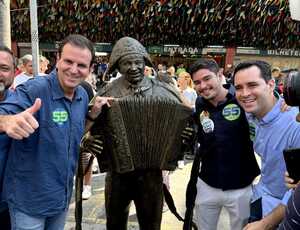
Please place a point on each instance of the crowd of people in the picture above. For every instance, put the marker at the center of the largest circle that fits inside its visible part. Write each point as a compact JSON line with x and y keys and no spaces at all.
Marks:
{"x":236,"y":118}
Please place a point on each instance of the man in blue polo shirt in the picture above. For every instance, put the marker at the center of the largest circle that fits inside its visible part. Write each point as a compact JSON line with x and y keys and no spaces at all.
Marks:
{"x":228,"y":164}
{"x":273,"y":132}
{"x":46,"y":119}
{"x":7,"y":70}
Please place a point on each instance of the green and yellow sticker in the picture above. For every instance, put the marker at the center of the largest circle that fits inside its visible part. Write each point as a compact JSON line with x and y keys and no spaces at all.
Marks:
{"x":60,"y":116}
{"x":231,"y":112}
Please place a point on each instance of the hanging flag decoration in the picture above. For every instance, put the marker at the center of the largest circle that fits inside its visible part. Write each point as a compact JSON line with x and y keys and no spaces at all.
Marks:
{"x":259,"y":23}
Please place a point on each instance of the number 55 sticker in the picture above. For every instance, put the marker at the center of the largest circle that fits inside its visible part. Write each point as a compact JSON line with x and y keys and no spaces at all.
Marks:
{"x":231,"y":112}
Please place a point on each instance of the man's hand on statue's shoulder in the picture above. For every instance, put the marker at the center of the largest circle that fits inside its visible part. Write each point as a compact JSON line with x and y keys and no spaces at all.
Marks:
{"x":23,"y":124}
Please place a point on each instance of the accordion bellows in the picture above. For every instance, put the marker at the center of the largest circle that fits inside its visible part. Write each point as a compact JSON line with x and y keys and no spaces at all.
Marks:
{"x":145,"y":132}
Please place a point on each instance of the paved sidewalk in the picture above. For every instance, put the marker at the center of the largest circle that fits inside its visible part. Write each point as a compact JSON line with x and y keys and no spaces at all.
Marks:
{"x":94,"y":211}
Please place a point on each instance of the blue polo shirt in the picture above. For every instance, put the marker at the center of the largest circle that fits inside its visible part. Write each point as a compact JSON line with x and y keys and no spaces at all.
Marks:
{"x":40,"y":169}
{"x":275,"y":132}
{"x":4,"y":148}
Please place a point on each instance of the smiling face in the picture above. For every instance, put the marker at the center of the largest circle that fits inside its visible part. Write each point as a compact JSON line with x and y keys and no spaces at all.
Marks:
{"x":132,"y":67}
{"x":6,"y":69}
{"x":73,"y":66}
{"x":207,"y":84}
{"x":253,"y":93}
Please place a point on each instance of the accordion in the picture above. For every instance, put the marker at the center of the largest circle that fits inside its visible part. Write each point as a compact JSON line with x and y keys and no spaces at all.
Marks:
{"x":145,"y":133}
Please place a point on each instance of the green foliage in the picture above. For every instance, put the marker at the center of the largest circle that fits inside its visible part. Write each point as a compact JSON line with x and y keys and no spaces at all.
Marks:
{"x":258,"y":23}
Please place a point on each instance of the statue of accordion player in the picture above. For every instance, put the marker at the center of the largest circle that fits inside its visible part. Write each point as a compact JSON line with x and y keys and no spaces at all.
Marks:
{"x":141,"y":136}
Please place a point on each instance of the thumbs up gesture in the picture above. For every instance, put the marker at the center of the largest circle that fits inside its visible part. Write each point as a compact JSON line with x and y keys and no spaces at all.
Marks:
{"x":21,"y":125}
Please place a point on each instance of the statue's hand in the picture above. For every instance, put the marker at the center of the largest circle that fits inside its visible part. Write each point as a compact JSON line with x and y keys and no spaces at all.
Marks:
{"x":92,"y":144}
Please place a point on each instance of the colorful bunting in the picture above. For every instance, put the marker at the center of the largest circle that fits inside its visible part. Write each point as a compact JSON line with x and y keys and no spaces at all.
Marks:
{"x":257,"y":23}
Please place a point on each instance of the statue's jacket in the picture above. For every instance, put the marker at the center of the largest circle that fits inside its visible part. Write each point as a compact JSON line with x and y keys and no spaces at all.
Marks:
{"x":121,"y":88}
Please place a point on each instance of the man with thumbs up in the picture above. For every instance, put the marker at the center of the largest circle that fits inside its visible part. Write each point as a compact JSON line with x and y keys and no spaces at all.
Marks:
{"x":46,"y":119}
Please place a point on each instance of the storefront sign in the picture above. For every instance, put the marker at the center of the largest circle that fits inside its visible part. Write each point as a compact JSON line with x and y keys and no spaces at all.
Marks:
{"x":279,"y":52}
{"x":155,"y":49}
{"x":103,"y":47}
{"x":282,"y":52}
{"x":217,"y":50}
{"x":171,"y":50}
{"x":247,"y":51}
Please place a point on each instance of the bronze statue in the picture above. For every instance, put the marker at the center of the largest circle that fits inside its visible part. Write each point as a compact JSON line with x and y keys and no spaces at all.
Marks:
{"x":128,"y":147}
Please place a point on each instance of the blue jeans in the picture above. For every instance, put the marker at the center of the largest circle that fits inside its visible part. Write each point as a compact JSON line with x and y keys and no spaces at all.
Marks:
{"x":22,"y":221}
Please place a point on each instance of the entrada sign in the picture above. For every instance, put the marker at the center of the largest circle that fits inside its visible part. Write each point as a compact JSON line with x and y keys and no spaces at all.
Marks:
{"x":182,"y":50}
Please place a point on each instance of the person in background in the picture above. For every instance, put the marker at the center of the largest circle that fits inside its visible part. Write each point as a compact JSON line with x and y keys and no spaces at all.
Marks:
{"x":272,"y":132}
{"x":87,"y":180}
{"x":186,"y":87}
{"x":7,"y":70}
{"x":171,"y":76}
{"x":149,"y":72}
{"x":19,"y":68}
{"x":26,"y":61}
{"x":223,"y":76}
{"x":180,"y":68}
{"x":44,"y":62}
{"x":278,"y":77}
{"x":171,"y":72}
{"x":161,"y":68}
{"x":229,"y":73}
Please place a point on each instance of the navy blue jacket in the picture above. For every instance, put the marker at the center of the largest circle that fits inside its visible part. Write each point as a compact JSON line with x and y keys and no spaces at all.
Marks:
{"x":228,"y":160}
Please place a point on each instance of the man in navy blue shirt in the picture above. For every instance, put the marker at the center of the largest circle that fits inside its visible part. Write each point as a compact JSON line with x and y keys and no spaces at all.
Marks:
{"x":228,"y":164}
{"x":46,"y":119}
{"x":7,"y":69}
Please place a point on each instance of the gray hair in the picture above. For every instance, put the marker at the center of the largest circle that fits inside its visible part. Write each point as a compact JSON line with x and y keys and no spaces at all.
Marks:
{"x":25,"y":59}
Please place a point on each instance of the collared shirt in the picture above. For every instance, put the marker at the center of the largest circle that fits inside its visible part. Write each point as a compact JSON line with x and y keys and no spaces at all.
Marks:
{"x":190,"y":95}
{"x":40,"y":169}
{"x":20,"y":79}
{"x":4,"y":148}
{"x":228,"y":160}
{"x":275,"y":132}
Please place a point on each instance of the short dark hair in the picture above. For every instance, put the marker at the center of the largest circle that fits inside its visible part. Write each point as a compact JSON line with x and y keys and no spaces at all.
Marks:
{"x":204,"y":63}
{"x":4,"y":48}
{"x":264,"y":67}
{"x":79,"y":41}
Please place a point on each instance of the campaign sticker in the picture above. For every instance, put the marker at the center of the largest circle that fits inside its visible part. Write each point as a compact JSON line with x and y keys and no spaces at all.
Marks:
{"x":231,"y":112}
{"x":60,"y":116}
